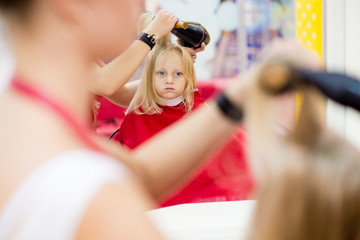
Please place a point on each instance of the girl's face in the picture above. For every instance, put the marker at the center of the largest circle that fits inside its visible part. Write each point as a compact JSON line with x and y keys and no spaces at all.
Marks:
{"x":169,"y":78}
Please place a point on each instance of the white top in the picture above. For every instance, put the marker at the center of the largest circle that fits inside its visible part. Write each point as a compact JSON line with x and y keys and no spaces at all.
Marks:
{"x":51,"y":202}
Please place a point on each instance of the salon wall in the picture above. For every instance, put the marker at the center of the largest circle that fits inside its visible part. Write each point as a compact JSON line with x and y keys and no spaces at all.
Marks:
{"x":342,"y":54}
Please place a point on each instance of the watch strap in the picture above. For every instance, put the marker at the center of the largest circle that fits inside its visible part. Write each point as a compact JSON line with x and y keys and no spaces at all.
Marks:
{"x":147,"y":39}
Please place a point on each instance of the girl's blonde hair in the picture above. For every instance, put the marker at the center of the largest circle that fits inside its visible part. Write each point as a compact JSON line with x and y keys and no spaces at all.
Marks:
{"x":311,"y":187}
{"x":146,"y":100}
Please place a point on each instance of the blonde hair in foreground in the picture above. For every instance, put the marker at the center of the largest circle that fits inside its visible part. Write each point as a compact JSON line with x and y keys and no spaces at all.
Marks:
{"x":310,"y":189}
{"x":146,"y":100}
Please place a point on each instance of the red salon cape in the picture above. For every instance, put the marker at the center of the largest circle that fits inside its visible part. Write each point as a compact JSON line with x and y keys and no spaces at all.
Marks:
{"x":225,"y":177}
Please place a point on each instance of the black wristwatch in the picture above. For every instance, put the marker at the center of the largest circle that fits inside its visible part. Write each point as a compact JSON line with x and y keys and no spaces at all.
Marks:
{"x":229,"y":109}
{"x":148,"y":39}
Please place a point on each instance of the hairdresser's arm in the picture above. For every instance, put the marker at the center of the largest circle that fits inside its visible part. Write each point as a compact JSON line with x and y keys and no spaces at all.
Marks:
{"x":125,"y":94}
{"x":179,"y":150}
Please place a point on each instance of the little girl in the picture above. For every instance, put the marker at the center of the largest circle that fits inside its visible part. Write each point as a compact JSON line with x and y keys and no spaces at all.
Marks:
{"x":166,"y":94}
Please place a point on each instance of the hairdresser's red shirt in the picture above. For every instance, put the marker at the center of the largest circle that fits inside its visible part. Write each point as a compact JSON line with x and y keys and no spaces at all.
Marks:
{"x":224,"y":178}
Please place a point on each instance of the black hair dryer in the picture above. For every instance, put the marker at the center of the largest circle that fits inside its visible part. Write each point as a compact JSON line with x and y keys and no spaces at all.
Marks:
{"x":191,"y":34}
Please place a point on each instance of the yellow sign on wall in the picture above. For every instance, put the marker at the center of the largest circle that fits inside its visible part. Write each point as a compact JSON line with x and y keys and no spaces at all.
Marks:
{"x":309,"y":30}
{"x":309,"y":24}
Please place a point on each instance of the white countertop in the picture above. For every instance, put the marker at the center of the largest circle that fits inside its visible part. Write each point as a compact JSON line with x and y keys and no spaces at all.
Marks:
{"x":205,"y":221}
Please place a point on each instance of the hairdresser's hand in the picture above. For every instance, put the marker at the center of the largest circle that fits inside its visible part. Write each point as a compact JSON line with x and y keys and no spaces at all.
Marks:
{"x":193,"y":51}
{"x":162,"y":24}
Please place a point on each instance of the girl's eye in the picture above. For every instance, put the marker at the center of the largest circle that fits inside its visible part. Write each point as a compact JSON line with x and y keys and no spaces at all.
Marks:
{"x":160,"y":73}
{"x":178,"y":74}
